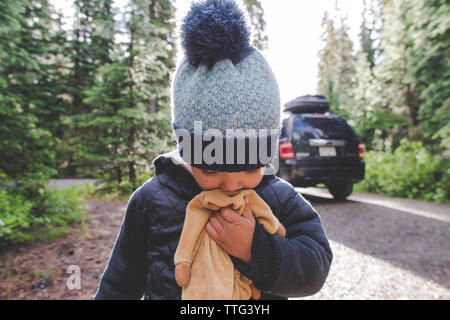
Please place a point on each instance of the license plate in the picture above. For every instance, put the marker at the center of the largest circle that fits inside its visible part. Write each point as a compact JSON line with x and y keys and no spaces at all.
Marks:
{"x":327,"y":151}
{"x":302,"y":154}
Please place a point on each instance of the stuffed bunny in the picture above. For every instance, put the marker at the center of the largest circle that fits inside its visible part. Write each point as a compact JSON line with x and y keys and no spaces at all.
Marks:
{"x":202,"y":268}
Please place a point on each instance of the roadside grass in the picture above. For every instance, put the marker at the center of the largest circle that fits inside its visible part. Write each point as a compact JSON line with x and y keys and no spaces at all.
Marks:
{"x":50,"y":215}
{"x":25,"y":221}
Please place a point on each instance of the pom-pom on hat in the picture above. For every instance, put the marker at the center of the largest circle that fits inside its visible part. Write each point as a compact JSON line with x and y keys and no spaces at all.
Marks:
{"x":214,"y":31}
{"x":223,"y":91}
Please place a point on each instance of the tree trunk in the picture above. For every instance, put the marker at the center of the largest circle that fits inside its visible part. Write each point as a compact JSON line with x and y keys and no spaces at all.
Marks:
{"x":119,"y":175}
{"x":152,"y":106}
{"x":132,"y":171}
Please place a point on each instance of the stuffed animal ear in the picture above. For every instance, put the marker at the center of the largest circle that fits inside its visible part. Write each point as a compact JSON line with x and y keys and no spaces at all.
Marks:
{"x":182,"y":274}
{"x":256,"y":293}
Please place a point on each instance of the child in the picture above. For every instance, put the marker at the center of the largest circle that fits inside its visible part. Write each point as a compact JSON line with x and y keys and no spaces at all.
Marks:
{"x":225,"y":84}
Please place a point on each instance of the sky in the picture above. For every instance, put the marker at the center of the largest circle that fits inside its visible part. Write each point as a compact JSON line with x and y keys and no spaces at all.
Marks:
{"x":293,"y":28}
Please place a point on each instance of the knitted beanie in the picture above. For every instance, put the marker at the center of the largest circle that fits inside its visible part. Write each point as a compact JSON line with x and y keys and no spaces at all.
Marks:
{"x":225,"y":98}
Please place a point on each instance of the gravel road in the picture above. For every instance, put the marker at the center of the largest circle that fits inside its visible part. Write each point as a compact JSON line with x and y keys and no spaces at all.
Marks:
{"x":384,"y":248}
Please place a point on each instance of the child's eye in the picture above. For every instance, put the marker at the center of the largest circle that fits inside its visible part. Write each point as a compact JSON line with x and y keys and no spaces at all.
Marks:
{"x":208,"y":172}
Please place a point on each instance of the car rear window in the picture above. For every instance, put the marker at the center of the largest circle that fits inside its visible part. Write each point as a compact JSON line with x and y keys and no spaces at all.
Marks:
{"x":329,"y":126}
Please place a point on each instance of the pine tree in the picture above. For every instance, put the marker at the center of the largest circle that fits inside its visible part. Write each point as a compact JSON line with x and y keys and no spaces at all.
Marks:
{"x":370,"y":30}
{"x":365,"y":115}
{"x":258,"y":23}
{"x":397,"y":89}
{"x":92,"y":40}
{"x":345,"y":68}
{"x":363,"y":108}
{"x":336,"y":65}
{"x":429,"y":26}
{"x":90,"y":46}
{"x":29,"y":103}
{"x":327,"y":61}
{"x":131,"y":95}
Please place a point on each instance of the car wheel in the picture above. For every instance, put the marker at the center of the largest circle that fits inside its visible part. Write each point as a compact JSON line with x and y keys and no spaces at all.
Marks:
{"x":340,"y":190}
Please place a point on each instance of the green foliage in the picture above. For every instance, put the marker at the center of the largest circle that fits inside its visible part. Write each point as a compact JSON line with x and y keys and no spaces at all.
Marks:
{"x":14,"y":217}
{"x":88,"y":49}
{"x":401,"y":84}
{"x":336,"y":65}
{"x":410,"y":172}
{"x":89,"y":100}
{"x":258,"y":23}
{"x":126,"y":105}
{"x":400,"y":90}
{"x":31,"y":73}
{"x":40,"y":218}
{"x":430,"y":67}
{"x":28,"y":102}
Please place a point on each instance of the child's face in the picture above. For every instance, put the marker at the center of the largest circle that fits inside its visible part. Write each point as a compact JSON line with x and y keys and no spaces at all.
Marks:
{"x":228,"y":181}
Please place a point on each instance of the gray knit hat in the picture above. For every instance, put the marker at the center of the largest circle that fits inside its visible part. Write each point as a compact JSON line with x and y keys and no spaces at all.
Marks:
{"x":221,"y":85}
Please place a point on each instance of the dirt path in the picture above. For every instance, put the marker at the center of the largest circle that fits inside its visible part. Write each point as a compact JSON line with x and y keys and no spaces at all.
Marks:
{"x":384,"y":248}
{"x":39,"y":271}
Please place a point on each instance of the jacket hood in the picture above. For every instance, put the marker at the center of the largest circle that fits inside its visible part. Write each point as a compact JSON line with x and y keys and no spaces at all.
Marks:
{"x":174,"y":177}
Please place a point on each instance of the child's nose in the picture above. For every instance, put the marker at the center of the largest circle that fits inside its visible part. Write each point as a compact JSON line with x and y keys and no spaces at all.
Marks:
{"x":230,"y":188}
{"x":230,"y":191}
{"x":231,"y":182}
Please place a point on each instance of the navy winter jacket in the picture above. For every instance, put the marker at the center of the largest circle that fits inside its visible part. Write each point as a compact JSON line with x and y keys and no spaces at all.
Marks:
{"x":141,"y":263}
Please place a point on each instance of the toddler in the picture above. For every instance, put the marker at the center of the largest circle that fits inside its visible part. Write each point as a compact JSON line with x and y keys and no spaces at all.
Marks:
{"x":226,"y":117}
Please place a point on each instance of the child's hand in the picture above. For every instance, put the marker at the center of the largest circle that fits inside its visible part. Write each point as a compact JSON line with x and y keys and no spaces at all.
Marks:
{"x":234,"y":233}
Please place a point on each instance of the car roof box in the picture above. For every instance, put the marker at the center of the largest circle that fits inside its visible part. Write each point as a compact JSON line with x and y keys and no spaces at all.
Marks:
{"x":308,"y":104}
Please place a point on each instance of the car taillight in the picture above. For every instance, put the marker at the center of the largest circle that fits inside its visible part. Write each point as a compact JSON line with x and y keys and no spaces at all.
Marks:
{"x":286,"y":150}
{"x":318,"y":116}
{"x":360,"y":150}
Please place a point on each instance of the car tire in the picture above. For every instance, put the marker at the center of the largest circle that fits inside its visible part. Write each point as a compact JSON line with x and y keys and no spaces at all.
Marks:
{"x":340,"y":190}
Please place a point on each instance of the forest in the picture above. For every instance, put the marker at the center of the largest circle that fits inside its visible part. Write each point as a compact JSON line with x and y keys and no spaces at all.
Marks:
{"x":395,"y":92}
{"x":93,"y":100}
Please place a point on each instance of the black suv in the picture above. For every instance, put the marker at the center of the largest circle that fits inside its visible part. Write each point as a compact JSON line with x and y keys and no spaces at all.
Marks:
{"x":318,"y":147}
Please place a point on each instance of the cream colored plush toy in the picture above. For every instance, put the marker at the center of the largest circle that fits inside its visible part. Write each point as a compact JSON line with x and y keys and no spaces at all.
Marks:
{"x":202,"y":268}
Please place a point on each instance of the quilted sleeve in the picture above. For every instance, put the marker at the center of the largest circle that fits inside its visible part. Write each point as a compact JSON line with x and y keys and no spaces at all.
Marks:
{"x":304,"y":254}
{"x":125,"y":275}
{"x":298,"y":264}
